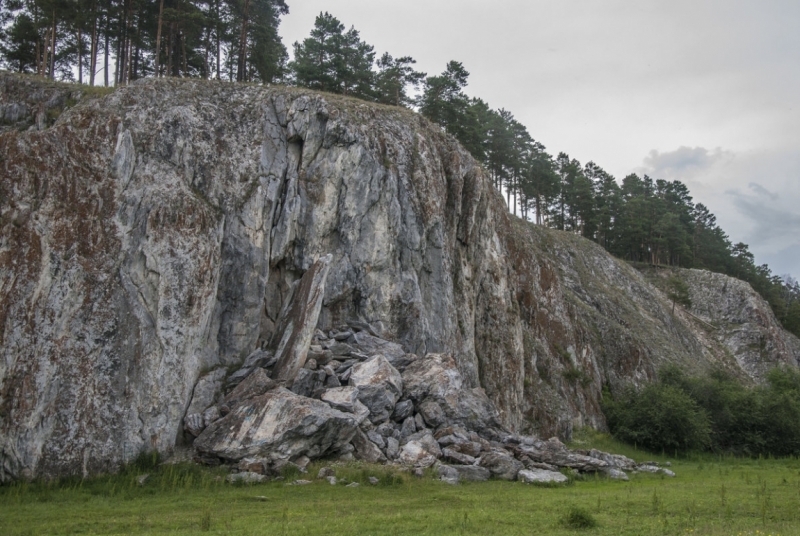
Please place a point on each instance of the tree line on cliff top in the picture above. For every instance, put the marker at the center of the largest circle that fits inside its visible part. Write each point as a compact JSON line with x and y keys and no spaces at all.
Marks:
{"x":640,"y":219}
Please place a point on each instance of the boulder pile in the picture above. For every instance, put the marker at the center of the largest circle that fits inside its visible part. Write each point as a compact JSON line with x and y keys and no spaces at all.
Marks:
{"x":359,"y":396}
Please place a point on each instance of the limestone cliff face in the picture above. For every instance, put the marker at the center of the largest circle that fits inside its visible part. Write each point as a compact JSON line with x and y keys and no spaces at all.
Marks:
{"x":156,"y":233}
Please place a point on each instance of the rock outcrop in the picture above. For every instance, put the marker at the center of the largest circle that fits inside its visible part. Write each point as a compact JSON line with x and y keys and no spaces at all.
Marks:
{"x":157,"y":236}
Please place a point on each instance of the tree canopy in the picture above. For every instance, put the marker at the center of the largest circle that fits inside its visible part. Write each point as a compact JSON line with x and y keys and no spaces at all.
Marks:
{"x":122,"y":40}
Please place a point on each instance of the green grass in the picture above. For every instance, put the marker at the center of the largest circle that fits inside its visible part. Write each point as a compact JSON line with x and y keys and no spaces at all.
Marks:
{"x":714,"y":496}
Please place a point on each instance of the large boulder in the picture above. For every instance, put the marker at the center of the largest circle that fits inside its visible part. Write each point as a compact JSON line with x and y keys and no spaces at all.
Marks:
{"x":379,"y":386}
{"x":553,"y":452}
{"x":366,"y":450}
{"x":541,"y":476}
{"x":256,"y":384}
{"x":278,"y":425}
{"x":206,"y":391}
{"x":420,"y":450}
{"x":472,"y":473}
{"x":371,"y":345}
{"x":436,"y":375}
{"x":502,"y":465}
{"x":436,"y":381}
{"x":613,"y":460}
{"x":341,"y":398}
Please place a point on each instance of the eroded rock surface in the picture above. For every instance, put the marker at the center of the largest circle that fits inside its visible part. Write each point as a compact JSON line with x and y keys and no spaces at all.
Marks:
{"x":162,"y":231}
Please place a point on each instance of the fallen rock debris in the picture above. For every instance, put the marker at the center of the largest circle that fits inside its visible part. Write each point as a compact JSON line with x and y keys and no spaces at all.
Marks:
{"x":373,"y":402}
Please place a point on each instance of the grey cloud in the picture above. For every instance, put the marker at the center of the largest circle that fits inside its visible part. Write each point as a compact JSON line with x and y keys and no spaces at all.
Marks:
{"x":771,"y":222}
{"x":683,"y":159}
{"x":760,"y":190}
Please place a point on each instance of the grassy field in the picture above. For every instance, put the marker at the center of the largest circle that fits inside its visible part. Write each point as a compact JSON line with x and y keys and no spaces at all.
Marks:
{"x":709,"y":496}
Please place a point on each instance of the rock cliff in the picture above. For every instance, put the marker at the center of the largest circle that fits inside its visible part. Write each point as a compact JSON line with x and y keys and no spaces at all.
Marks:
{"x":161,"y":232}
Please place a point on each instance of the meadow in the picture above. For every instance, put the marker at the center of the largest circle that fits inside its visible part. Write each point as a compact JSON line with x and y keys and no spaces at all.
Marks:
{"x":710,"y":495}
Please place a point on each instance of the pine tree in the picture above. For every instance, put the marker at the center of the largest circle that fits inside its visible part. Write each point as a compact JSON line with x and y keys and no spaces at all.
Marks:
{"x":443,"y":100}
{"x":334,"y":60}
{"x":393,"y":77}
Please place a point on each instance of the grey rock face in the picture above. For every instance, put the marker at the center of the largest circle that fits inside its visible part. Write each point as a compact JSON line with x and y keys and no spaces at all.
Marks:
{"x":744,"y":322}
{"x":259,"y":358}
{"x":408,"y":427}
{"x":432,"y":413}
{"x":617,"y":474}
{"x":207,"y":391}
{"x":613,"y":460}
{"x":455,"y":456}
{"x":306,"y":382}
{"x":392,"y":448}
{"x":163,"y":231}
{"x":194,"y":424}
{"x":415,"y":454}
{"x":278,"y":425}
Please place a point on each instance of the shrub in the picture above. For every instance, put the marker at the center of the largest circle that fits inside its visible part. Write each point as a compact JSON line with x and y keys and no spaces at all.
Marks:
{"x":578,"y":518}
{"x":658,"y":417}
{"x":715,"y":412}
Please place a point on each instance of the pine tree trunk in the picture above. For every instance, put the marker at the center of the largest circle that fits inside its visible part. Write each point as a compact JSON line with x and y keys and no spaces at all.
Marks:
{"x":42,"y":71}
{"x":219,"y":55}
{"x":129,"y":70}
{"x":105,"y":54}
{"x":158,"y":37}
{"x":240,"y":74}
{"x":515,"y":195}
{"x":185,"y":67}
{"x":53,"y":49}
{"x":80,"y":56}
{"x":117,"y":64}
{"x":93,"y":48}
{"x":38,"y":57}
{"x":169,"y":48}
{"x":207,"y":47}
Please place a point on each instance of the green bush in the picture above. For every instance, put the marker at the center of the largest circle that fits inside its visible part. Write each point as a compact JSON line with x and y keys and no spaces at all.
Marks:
{"x":715,"y":412}
{"x":659,"y":417}
{"x":578,"y":518}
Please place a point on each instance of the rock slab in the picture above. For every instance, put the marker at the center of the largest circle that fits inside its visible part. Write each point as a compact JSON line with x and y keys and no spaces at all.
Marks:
{"x":278,"y":425}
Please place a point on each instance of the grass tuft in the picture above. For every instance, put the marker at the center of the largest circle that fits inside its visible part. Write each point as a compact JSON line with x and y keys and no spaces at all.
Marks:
{"x":578,"y":518}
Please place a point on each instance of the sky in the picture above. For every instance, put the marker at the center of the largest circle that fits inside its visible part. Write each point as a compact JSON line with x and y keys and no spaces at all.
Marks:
{"x":703,"y":91}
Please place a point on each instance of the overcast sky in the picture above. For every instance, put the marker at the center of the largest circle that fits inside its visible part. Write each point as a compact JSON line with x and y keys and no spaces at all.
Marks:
{"x":703,"y":91}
